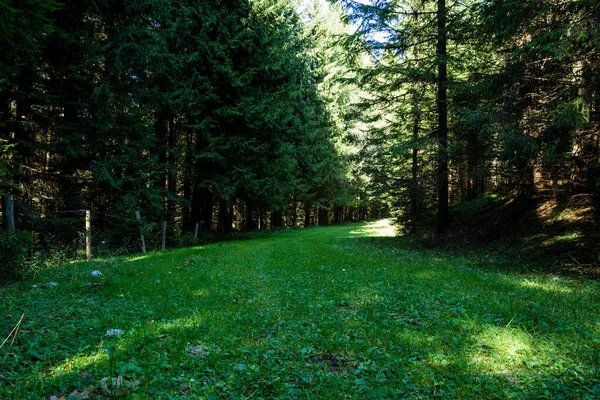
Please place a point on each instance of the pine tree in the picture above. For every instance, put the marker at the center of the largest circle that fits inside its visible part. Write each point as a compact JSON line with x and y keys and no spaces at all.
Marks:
{"x":23,"y":32}
{"x":412,"y":43}
{"x":547,"y":88}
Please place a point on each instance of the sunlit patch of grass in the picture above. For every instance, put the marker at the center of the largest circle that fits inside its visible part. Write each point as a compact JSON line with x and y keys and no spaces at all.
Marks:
{"x":77,"y":363}
{"x":502,"y":349}
{"x":137,"y":258}
{"x":555,"y":285}
{"x":381,"y":228}
{"x":321,"y":313}
{"x":201,"y":292}
{"x":562,"y":238}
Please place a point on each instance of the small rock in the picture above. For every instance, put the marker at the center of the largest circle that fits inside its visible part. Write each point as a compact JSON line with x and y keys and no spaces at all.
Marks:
{"x":185,"y":389}
{"x":199,"y":351}
{"x":77,"y":395}
{"x":53,"y":398}
{"x":240,"y":367}
{"x":114,"y":332}
{"x":52,"y":284}
{"x":96,"y":273}
{"x":117,"y":383}
{"x":33,"y":286}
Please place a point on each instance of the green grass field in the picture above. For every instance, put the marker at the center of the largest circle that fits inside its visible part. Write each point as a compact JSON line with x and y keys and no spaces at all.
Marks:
{"x":321,"y":313}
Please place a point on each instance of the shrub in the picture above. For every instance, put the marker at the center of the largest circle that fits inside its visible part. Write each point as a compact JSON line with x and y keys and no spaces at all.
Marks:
{"x":13,"y":252}
{"x":189,"y":240}
{"x":466,"y":211}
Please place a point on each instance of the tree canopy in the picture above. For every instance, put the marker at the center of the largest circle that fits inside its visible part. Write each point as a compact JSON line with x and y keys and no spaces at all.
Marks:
{"x":472,"y":99}
{"x":236,"y":115}
{"x":223,"y":114}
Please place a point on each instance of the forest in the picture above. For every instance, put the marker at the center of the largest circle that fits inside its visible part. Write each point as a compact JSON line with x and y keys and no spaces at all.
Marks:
{"x":292,"y":199}
{"x":232,"y":116}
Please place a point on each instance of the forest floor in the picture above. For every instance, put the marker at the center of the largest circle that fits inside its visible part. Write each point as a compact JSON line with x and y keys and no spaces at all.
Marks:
{"x":549,"y":233}
{"x":338,"y":312}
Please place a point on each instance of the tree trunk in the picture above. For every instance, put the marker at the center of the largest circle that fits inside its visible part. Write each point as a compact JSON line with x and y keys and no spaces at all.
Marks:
{"x":224,"y":224}
{"x":186,"y":222}
{"x":171,"y":170}
{"x":294,"y":212}
{"x":323,"y":216}
{"x":442,"y":173}
{"x":202,"y":208}
{"x":262,"y":221}
{"x":5,"y":115}
{"x":161,"y":133}
{"x":414,"y":182}
{"x":307,"y":209}
{"x":202,"y":197}
{"x":337,"y":214}
{"x":231,"y":215}
{"x":526,"y":187}
{"x":277,"y":219}
{"x":250,"y":221}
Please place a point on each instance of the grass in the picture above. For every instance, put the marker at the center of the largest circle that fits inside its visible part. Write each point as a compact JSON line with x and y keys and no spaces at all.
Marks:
{"x":339,"y":312}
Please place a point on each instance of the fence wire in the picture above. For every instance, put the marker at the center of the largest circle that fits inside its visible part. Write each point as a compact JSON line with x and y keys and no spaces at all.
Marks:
{"x":110,"y":234}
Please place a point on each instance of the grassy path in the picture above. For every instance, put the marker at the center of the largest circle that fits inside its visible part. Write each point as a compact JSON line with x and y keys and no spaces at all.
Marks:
{"x":339,"y":312}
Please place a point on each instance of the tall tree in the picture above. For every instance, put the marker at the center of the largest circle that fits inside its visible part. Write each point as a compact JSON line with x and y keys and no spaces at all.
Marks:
{"x":442,"y":130}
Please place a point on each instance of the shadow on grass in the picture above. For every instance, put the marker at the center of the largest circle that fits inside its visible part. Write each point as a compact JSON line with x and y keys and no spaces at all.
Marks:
{"x":547,"y":234}
{"x":380,"y":320}
{"x":395,"y":343}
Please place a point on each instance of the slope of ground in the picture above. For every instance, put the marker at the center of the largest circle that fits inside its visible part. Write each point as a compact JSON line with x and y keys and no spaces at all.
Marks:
{"x":550,"y":233}
{"x":339,"y":312}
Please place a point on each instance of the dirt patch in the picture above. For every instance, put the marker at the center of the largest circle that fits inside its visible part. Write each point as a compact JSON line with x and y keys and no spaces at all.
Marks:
{"x":347,"y":305}
{"x":333,"y":362}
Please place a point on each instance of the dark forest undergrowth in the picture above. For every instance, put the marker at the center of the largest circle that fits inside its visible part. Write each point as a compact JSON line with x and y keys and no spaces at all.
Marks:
{"x":549,"y":233}
{"x":339,"y":312}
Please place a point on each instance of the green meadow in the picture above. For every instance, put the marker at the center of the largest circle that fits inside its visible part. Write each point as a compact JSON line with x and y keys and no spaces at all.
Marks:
{"x":321,"y":313}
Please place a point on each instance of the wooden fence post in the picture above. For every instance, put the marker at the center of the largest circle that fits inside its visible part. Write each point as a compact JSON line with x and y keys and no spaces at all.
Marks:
{"x":8,"y":213}
{"x":259,"y":219}
{"x":164,"y":235}
{"x":196,"y":231}
{"x":88,"y":234}
{"x":142,"y":241}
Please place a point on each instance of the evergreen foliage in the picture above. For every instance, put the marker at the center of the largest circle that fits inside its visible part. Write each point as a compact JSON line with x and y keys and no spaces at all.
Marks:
{"x":245,"y":114}
{"x":522,"y":106}
{"x":203,"y":113}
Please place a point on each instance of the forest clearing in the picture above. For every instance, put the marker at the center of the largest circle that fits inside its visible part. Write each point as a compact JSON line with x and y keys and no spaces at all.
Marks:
{"x":185,"y":185}
{"x":349,"y":311}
